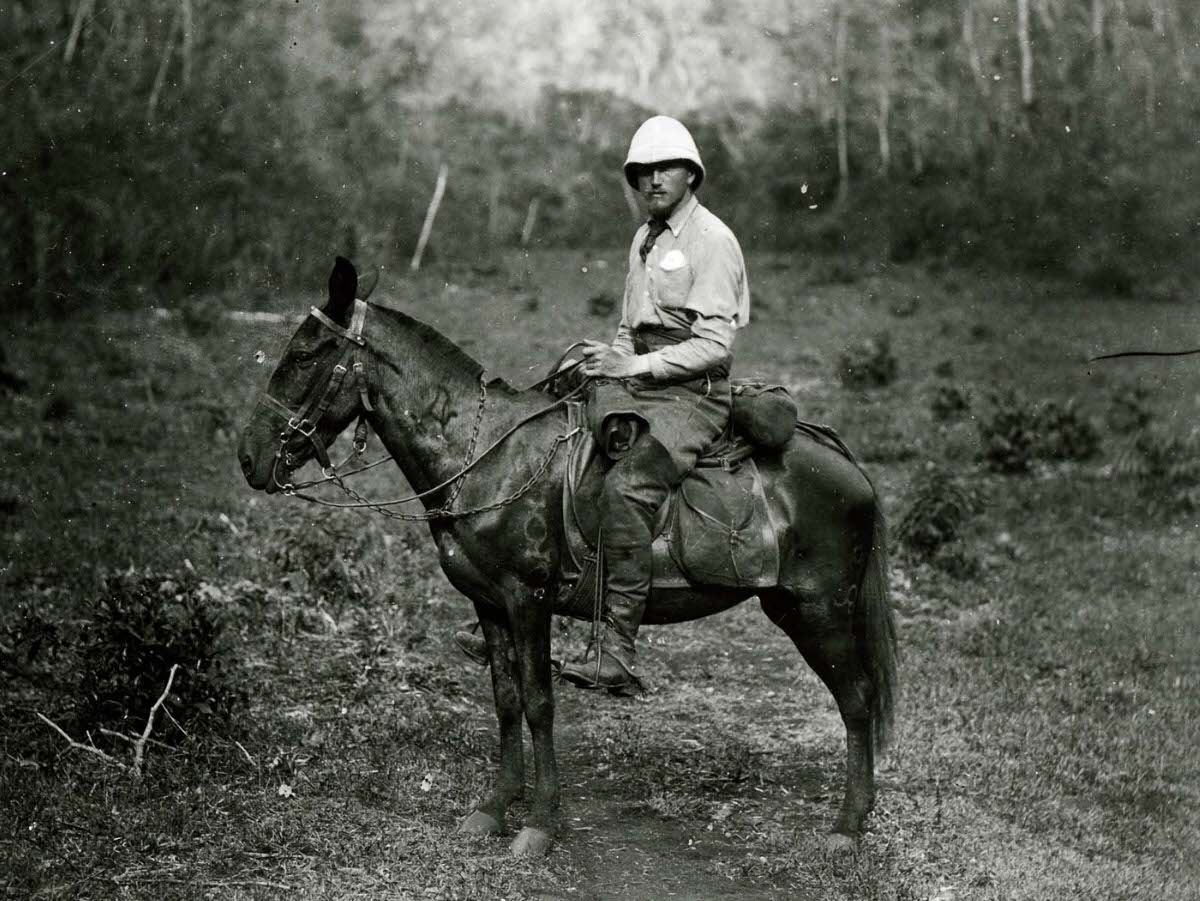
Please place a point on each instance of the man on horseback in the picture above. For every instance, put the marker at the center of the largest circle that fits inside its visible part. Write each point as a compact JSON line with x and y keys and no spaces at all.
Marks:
{"x":686,"y":296}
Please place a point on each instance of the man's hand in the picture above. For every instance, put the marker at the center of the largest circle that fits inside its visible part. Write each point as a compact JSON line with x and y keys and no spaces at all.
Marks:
{"x":602,"y":360}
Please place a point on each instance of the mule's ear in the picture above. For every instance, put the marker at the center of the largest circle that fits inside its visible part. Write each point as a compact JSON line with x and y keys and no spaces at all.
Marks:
{"x":367,"y":283}
{"x":343,"y":283}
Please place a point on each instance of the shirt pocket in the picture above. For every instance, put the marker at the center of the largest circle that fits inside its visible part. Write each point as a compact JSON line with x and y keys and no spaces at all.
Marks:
{"x":672,"y":280}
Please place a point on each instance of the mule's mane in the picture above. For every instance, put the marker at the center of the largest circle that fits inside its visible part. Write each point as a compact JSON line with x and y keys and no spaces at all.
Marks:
{"x":455,"y":358}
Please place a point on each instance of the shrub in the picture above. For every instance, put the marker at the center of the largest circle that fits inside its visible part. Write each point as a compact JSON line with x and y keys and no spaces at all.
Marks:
{"x":29,"y":639}
{"x":1166,"y":466}
{"x":1129,"y":410}
{"x":1008,"y":434}
{"x":949,"y":402}
{"x":334,"y":557}
{"x":868,"y":364}
{"x":1063,"y":433}
{"x":602,"y":304}
{"x":136,"y":630}
{"x":932,"y":529}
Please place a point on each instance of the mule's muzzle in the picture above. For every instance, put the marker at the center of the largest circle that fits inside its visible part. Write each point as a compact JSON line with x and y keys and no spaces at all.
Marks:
{"x":257,"y":476}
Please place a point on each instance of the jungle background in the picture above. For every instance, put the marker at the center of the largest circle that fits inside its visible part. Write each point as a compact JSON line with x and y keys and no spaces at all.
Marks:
{"x":186,"y":145}
{"x":949,"y":209}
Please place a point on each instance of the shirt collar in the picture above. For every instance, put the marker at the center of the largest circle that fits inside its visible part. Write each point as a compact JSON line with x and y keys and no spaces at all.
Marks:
{"x":683,"y":212}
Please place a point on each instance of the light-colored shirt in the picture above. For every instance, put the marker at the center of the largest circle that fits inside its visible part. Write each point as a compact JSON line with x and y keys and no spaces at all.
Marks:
{"x":693,"y":278}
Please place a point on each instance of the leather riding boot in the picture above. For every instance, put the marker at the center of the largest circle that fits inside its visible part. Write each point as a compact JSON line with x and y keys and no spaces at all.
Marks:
{"x":633,"y":491}
{"x":610,"y":661}
{"x":471,"y":643}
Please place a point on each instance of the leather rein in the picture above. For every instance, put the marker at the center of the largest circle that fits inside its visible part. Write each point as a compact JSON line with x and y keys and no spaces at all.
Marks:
{"x":306,"y":420}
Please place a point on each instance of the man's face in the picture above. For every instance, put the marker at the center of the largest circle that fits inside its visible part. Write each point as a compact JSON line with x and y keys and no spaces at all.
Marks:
{"x":664,"y":185}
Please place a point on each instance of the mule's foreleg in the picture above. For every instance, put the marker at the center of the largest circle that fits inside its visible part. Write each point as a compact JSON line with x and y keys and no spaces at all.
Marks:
{"x":488,"y":818}
{"x":822,"y":632}
{"x":531,"y":632}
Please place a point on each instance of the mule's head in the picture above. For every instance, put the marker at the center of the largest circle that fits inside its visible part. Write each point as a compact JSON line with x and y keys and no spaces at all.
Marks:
{"x":276,"y":441}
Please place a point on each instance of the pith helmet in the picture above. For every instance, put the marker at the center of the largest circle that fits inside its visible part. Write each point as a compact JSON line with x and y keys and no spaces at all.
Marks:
{"x":661,"y":138}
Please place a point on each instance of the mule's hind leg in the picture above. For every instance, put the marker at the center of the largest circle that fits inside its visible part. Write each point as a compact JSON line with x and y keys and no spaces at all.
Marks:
{"x":488,"y":817}
{"x":822,"y":630}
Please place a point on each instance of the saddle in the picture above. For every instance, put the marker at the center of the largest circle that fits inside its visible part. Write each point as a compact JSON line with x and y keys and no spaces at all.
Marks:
{"x":716,"y":528}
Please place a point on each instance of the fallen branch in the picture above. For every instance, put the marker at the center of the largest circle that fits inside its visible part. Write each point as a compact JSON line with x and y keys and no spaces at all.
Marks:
{"x":140,"y":747}
{"x":79,"y":746}
{"x":139,"y":744}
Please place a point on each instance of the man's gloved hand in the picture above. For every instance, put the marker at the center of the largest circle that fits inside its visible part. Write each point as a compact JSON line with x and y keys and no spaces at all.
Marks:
{"x":602,"y":361}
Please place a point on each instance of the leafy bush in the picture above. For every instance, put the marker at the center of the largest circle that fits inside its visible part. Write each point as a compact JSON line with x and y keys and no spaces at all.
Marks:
{"x":1063,"y":433}
{"x":949,"y":402}
{"x":1129,"y":409}
{"x":932,"y":529}
{"x":868,"y":364}
{"x":29,"y":638}
{"x":136,"y":630}
{"x":1014,"y":433}
{"x":332,"y":556}
{"x":1008,"y":433}
{"x":1166,"y":466}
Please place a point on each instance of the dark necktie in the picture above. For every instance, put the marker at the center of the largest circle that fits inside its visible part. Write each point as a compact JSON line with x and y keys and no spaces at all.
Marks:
{"x":657,"y":227}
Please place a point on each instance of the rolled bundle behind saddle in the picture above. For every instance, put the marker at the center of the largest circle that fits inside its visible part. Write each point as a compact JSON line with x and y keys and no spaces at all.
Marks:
{"x":766,"y":414}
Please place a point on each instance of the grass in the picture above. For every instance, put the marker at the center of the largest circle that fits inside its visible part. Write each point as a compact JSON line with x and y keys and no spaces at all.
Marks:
{"x":1049,"y":715}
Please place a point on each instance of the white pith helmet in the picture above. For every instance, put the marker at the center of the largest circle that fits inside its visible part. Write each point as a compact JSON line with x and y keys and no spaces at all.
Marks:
{"x":661,"y":138}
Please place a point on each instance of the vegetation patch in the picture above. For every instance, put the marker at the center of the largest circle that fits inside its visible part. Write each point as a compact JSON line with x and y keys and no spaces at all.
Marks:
{"x":869,"y":363}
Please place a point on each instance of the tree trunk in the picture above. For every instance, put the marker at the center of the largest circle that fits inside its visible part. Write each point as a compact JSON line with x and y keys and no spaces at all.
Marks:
{"x":185,"y":9}
{"x":1151,"y":95}
{"x":883,"y":120}
{"x":1097,"y":40}
{"x":430,"y":214}
{"x":968,"y":39}
{"x":81,"y":13}
{"x":530,"y":221}
{"x":493,"y":220}
{"x":1027,"y":97}
{"x":840,"y":41}
{"x":160,"y":77}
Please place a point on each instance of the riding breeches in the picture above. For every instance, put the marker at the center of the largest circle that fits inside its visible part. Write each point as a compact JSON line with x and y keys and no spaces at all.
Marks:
{"x":683,"y":421}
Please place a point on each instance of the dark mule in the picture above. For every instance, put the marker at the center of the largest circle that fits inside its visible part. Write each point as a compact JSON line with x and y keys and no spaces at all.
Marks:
{"x":421,"y":395}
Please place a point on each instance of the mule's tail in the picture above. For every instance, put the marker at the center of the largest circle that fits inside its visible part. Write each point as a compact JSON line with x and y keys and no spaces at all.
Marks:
{"x":876,"y":627}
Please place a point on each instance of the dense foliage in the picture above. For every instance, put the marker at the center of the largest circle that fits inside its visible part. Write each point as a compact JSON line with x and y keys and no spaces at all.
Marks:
{"x":171,"y":145}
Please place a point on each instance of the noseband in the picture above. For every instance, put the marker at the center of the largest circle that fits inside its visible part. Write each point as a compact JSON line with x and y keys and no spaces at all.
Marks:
{"x":304,"y":422}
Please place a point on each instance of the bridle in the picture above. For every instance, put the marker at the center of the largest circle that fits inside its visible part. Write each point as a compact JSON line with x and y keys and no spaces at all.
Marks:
{"x":304,"y":422}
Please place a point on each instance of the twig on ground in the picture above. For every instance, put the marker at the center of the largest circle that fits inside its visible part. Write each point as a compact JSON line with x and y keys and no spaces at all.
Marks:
{"x":244,"y":751}
{"x":175,"y":722}
{"x":140,"y":748}
{"x":90,"y":749}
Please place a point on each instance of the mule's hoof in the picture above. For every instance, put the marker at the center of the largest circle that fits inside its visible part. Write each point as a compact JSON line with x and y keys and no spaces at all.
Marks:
{"x":532,"y":842}
{"x":480,"y":823}
{"x":838,"y":844}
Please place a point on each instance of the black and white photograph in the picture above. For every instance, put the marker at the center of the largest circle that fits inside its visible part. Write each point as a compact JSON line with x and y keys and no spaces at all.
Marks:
{"x":531,"y":450}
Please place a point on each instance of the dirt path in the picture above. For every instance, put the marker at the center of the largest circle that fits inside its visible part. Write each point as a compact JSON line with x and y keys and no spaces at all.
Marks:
{"x":662,"y":794}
